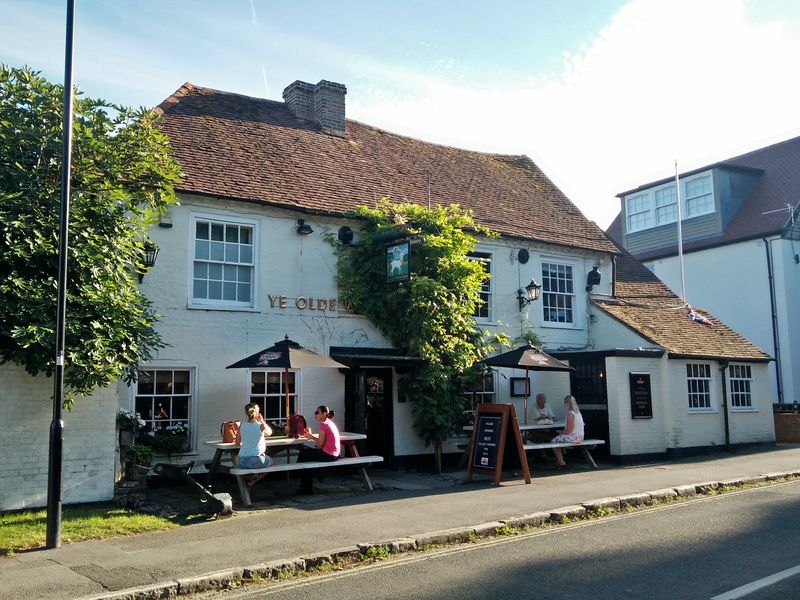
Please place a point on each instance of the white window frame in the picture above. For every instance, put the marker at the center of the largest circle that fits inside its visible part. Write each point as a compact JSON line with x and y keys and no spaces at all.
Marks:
{"x":644,"y":208}
{"x":664,"y":207}
{"x":225,"y":220}
{"x":191,"y":368}
{"x":689,"y":200}
{"x":486,"y":292}
{"x":637,"y":212}
{"x":281,"y":420}
{"x":740,"y":387}
{"x":573,"y":296}
{"x":699,"y":378}
{"x":474,"y":396}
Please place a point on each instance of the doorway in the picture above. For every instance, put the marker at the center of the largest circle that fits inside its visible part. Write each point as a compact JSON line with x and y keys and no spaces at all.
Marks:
{"x":368,"y":410}
{"x":588,"y":385}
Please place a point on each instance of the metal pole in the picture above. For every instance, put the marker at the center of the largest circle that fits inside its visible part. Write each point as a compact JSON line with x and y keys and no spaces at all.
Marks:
{"x":680,"y":232}
{"x":55,"y":466}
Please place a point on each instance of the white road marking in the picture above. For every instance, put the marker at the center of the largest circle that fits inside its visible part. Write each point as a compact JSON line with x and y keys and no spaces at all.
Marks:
{"x":754,"y":586}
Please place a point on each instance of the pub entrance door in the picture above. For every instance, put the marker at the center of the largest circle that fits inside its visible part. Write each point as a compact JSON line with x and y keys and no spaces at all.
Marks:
{"x":368,"y":409}
{"x":588,"y":385}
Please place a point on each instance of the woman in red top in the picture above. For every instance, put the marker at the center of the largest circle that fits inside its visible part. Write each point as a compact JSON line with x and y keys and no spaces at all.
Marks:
{"x":326,"y":446}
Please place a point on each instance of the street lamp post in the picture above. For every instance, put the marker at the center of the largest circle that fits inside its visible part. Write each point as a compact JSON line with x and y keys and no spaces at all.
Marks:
{"x":55,"y":462}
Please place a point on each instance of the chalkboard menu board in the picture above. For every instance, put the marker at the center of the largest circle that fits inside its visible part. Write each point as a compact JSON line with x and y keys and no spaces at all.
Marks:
{"x":487,"y":441}
{"x":641,"y":396}
{"x":495,"y":424}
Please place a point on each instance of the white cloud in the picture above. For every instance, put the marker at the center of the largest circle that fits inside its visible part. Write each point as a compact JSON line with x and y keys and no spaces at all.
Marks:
{"x":692,"y":80}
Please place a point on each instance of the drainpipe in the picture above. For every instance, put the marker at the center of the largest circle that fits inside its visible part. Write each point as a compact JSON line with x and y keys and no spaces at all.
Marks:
{"x":776,"y":343}
{"x":613,"y":276}
{"x":723,"y":366}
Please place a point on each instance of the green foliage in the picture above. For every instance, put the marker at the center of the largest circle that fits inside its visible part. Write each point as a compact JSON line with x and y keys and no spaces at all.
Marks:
{"x":140,"y":455}
{"x":122,"y":177}
{"x":376,"y":553}
{"x":532,"y":338}
{"x":432,"y":315}
{"x":506,"y":530}
{"x":167,"y":440}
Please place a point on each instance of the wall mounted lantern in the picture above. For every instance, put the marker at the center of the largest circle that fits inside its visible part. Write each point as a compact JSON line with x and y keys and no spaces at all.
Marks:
{"x":528,"y":294}
{"x":148,"y":258}
{"x":345,"y":234}
{"x":303,"y":228}
{"x":593,"y":278}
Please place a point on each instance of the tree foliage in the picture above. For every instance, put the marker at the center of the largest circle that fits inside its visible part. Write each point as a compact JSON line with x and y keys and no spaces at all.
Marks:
{"x":121,"y":181}
{"x":432,"y":315}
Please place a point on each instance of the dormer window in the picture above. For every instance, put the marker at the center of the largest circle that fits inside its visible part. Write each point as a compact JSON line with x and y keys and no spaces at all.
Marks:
{"x":666,"y":205}
{"x":659,"y":205}
{"x":699,"y":196}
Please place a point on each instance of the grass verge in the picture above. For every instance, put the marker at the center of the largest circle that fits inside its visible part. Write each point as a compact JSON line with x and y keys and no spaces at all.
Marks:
{"x":27,"y":529}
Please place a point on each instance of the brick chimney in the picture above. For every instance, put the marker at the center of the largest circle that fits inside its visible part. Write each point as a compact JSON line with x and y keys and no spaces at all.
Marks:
{"x":322,"y":103}
{"x":299,"y":97}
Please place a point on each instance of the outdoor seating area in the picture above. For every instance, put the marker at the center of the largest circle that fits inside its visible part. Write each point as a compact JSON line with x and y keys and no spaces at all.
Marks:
{"x":280,"y":447}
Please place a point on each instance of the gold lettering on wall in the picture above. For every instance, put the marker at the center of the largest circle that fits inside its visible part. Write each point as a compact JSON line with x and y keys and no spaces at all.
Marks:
{"x":310,"y":303}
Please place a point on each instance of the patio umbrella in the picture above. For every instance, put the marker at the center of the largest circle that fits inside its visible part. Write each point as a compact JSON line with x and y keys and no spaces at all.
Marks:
{"x":530,"y":358}
{"x":289,"y":355}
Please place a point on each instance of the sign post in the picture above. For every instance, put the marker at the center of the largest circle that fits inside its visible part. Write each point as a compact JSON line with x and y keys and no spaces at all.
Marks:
{"x":494,"y":425}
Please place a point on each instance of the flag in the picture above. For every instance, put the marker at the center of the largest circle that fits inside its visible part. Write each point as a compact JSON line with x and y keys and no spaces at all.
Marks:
{"x":695,"y":316}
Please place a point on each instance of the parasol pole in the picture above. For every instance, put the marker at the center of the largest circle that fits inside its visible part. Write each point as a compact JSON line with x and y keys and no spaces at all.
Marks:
{"x":286,"y":387}
{"x":526,"y":396}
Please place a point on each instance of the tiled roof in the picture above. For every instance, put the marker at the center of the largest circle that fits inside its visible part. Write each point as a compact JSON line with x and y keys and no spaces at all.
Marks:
{"x":646,"y":305}
{"x":253,"y":149}
{"x":764,"y":212}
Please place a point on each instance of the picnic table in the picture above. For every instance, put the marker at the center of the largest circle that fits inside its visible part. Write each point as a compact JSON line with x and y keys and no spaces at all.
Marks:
{"x":528,"y":427}
{"x":275,"y":446}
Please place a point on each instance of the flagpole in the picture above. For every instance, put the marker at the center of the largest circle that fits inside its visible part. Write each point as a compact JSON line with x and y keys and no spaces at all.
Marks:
{"x":680,"y":233}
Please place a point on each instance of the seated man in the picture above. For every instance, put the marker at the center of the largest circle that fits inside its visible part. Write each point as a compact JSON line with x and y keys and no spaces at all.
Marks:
{"x":542,"y":413}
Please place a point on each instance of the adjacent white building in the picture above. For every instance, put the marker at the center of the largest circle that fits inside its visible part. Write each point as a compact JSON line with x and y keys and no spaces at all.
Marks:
{"x":741,"y":247}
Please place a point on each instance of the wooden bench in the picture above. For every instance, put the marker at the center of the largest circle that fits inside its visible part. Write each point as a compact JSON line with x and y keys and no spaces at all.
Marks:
{"x":360,"y":461}
{"x":584,"y":446}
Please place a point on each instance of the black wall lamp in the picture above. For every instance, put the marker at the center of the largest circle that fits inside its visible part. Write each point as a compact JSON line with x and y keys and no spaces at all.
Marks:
{"x":345,"y":234}
{"x":528,"y":294}
{"x":593,"y":278}
{"x":303,"y":228}
{"x":148,"y":258}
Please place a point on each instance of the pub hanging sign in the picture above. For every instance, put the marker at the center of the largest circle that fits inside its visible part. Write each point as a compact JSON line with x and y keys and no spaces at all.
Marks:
{"x":641,"y":396}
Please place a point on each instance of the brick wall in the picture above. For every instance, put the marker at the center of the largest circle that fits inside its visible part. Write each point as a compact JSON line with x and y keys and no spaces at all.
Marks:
{"x":89,"y":452}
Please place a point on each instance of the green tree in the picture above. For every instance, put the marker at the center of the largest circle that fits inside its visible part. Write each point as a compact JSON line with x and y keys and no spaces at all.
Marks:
{"x":122,"y":180}
{"x":431,"y":316}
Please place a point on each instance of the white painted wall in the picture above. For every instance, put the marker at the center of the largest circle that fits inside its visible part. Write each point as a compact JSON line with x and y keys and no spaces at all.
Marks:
{"x":89,"y":451}
{"x":732,"y":282}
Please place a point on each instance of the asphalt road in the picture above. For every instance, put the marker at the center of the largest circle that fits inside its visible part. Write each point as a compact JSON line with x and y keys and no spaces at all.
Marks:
{"x":703,"y":548}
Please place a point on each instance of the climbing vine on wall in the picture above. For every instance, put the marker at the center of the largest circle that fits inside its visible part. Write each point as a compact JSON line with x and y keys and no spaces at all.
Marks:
{"x":429,"y":316}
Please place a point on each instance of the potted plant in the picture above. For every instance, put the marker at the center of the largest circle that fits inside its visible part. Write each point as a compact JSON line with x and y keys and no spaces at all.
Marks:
{"x":128,"y":424}
{"x":168,"y":440}
{"x":139,"y":458}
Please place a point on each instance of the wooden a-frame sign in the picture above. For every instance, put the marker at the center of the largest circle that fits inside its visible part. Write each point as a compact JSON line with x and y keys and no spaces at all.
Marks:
{"x":493,"y":424}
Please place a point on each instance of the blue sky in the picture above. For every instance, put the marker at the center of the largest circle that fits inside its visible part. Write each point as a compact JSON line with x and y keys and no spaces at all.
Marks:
{"x":603,"y":94}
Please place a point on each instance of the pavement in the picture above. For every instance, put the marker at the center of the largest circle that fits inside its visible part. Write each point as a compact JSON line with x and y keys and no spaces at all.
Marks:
{"x":407,"y":510}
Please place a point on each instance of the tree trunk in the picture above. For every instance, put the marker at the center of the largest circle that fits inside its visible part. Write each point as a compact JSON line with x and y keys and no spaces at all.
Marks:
{"x":437,"y":456}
